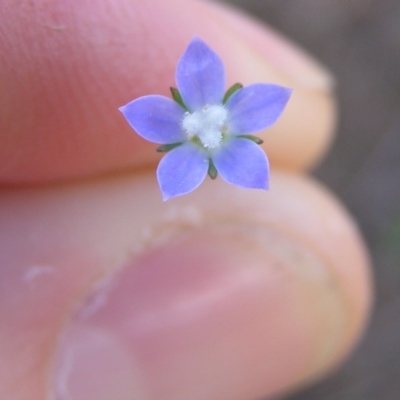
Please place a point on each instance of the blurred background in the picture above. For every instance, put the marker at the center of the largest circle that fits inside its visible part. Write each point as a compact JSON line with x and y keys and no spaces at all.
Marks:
{"x":359,"y":40}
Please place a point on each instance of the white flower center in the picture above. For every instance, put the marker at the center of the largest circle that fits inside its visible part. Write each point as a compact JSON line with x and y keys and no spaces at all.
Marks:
{"x":207,"y":124}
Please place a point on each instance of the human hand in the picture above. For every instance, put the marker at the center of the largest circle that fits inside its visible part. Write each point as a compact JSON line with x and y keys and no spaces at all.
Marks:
{"x":106,"y":292}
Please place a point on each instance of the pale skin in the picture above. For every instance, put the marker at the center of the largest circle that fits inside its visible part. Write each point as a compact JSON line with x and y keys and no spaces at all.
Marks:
{"x":223,"y":294}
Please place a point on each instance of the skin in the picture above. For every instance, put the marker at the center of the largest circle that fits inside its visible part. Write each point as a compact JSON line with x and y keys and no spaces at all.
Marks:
{"x":106,"y":291}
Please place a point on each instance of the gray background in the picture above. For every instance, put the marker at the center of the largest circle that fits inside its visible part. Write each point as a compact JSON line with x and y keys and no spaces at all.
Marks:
{"x":359,"y":40}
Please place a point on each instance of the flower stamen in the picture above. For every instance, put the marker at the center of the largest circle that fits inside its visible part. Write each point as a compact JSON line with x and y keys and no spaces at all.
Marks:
{"x":207,"y":124}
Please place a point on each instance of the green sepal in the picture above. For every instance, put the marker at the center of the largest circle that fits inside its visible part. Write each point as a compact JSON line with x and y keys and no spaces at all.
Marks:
{"x":177,"y":97}
{"x":212,"y":171}
{"x":167,"y":147}
{"x":234,"y":88}
{"x":255,"y":139}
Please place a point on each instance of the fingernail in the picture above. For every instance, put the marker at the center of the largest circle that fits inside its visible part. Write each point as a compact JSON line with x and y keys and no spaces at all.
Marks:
{"x":225,"y":312}
{"x":272,"y":48}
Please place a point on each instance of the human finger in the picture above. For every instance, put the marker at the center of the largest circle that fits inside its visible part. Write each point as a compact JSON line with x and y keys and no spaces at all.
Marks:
{"x":68,"y":66}
{"x":107,"y":292}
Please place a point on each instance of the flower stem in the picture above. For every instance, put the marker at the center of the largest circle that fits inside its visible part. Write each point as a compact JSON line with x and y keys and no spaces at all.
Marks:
{"x":255,"y":139}
{"x":234,"y":88}
{"x":212,"y":171}
{"x":177,"y":97}
{"x":167,"y":147}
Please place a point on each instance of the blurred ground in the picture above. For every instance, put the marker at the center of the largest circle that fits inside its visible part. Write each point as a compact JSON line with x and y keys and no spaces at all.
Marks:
{"x":360,"y":42}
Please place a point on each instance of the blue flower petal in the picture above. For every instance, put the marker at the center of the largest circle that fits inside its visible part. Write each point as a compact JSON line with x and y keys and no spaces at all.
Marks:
{"x":155,"y":118}
{"x":200,"y":76}
{"x":256,"y":107}
{"x":182,"y":170}
{"x":243,"y":163}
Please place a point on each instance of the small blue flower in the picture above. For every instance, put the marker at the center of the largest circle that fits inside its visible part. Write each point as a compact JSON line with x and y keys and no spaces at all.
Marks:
{"x":205,"y":130}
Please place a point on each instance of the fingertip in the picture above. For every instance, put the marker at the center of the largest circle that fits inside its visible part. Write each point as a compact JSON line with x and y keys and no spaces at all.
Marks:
{"x":305,"y":131}
{"x":241,"y":291}
{"x":61,"y":121}
{"x":229,"y":311}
